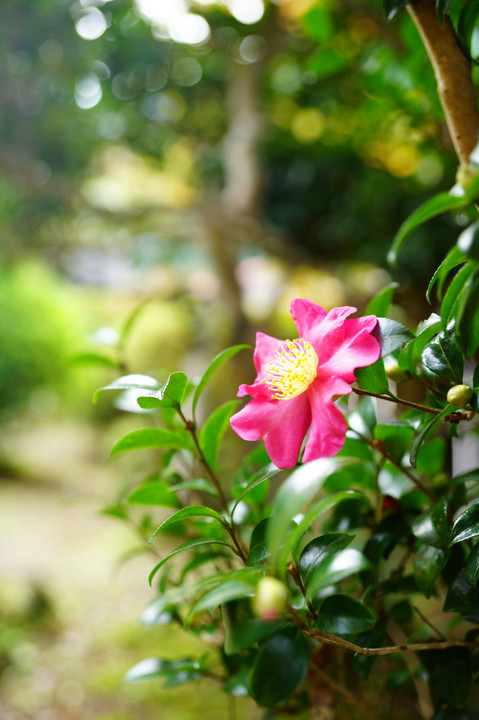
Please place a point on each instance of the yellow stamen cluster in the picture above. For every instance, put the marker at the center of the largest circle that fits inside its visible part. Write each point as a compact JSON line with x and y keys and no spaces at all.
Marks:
{"x":293,"y":369}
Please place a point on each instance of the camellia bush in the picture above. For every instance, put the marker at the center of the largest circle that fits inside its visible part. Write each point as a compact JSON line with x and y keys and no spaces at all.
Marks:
{"x":333,"y":569}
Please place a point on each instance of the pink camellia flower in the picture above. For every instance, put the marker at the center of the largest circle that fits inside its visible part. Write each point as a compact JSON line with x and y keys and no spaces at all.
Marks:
{"x":298,"y":381}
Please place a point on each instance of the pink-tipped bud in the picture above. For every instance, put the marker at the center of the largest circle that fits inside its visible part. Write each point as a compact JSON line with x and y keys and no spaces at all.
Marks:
{"x":459,"y":395}
{"x":271,"y":598}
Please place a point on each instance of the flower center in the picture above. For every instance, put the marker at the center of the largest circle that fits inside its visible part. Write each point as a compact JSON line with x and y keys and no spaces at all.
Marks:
{"x":293,"y":369}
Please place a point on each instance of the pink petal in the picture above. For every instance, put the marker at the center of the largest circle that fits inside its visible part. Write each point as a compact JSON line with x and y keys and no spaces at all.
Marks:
{"x":264,"y":351}
{"x":358,"y":348}
{"x":283,"y":426}
{"x":306,"y":315}
{"x":328,"y":429}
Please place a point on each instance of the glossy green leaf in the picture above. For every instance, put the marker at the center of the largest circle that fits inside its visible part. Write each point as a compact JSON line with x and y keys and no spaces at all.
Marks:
{"x":373,"y":378}
{"x":449,"y":672}
{"x":343,"y":615}
{"x":235,"y":586}
{"x":429,"y":562}
{"x":129,"y":382}
{"x":392,"y":7}
{"x":466,"y":526}
{"x":294,"y":494}
{"x":92,"y":358}
{"x":391,"y":335}
{"x":153,"y":668}
{"x":177,"y":595}
{"x":472,"y":567}
{"x":428,"y":428}
{"x":334,"y":568}
{"x":467,"y":317}
{"x":213,"y":431}
{"x":463,"y":597}
{"x":280,"y":667}
{"x":242,"y":629}
{"x":170,"y":395}
{"x":188,"y":512}
{"x":317,"y":550}
{"x":454,"y":258}
{"x":442,"y":7}
{"x":261,"y":477}
{"x":379,"y":305}
{"x":468,"y":241}
{"x":199,"y":484}
{"x":454,"y":292}
{"x":215,"y":365}
{"x":296,"y":533}
{"x":258,"y":546}
{"x":466,"y":24}
{"x":441,"y":203}
{"x":443,"y":357}
{"x":153,"y":438}
{"x":432,"y":527}
{"x":153,"y":493}
{"x":189,"y":545}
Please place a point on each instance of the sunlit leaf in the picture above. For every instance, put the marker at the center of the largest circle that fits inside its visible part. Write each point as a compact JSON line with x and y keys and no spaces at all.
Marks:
{"x":188,"y":512}
{"x":215,"y":365}
{"x":335,"y":568}
{"x":373,"y":378}
{"x":170,"y":395}
{"x":213,"y":431}
{"x":454,"y":292}
{"x":454,"y":258}
{"x":391,"y":335}
{"x":188,"y":545}
{"x":379,"y":305}
{"x":129,"y":382}
{"x":153,"y":438}
{"x":466,"y":526}
{"x":234,"y":586}
{"x":173,"y":672}
{"x":153,"y":493}
{"x":427,"y":429}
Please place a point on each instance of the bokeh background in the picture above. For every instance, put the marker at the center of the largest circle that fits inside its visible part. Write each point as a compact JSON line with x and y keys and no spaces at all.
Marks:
{"x":172,"y":174}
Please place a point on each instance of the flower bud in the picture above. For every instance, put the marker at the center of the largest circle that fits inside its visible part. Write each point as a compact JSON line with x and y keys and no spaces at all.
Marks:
{"x":460,"y":395}
{"x":393,"y":370}
{"x":467,"y":176}
{"x":271,"y":598}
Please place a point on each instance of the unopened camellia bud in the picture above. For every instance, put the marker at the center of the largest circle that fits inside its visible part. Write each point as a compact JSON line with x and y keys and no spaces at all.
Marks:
{"x":459,"y":395}
{"x":467,"y":175}
{"x":270,"y":599}
{"x":393,"y":371}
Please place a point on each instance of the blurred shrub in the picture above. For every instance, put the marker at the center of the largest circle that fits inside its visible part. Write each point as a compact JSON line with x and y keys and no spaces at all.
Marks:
{"x":40,"y":322}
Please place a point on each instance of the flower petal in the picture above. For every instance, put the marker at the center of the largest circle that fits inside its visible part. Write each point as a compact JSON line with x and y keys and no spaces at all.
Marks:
{"x":264,"y":351}
{"x":328,"y":429}
{"x":283,"y":426}
{"x":306,"y":315}
{"x":358,"y":348}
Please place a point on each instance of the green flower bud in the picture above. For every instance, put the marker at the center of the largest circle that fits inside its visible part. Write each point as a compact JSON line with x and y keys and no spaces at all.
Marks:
{"x":467,"y":176}
{"x":459,"y":395}
{"x":393,"y":371}
{"x":271,"y":598}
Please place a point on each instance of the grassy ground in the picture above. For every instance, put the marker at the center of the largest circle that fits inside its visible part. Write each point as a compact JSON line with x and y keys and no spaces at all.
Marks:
{"x":68,"y":629}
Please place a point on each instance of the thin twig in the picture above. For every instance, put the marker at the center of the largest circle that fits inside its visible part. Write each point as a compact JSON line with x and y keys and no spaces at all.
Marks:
{"x":429,"y":623}
{"x":453,"y":417}
{"x":328,"y":639}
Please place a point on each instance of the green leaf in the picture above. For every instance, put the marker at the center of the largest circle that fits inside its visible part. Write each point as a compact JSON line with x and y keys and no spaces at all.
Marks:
{"x":317,"y":550}
{"x":170,"y":395}
{"x":454,"y":292}
{"x":373,"y":378}
{"x":175,"y":596}
{"x":428,"y":428}
{"x":467,"y":317}
{"x":188,"y":512}
{"x":189,"y":545}
{"x":381,"y":302}
{"x":153,"y":493}
{"x":441,"y":203}
{"x":92,"y":358}
{"x":466,"y":525}
{"x":449,"y":672}
{"x":442,"y":7}
{"x":199,"y":484}
{"x":468,"y":241}
{"x":443,"y":357}
{"x":392,"y":7}
{"x":296,"y":533}
{"x":466,"y":24}
{"x":280,"y":667}
{"x":235,"y":586}
{"x":335,"y":568}
{"x":242,"y":629}
{"x":173,"y":672}
{"x":215,"y":365}
{"x":472,"y":567}
{"x":396,"y":438}
{"x":391,"y":335}
{"x":454,"y":258}
{"x":258,"y":548}
{"x":343,"y":615}
{"x":463,"y":597}
{"x":429,"y":562}
{"x":213,"y":431}
{"x":129,"y":382}
{"x":432,"y":527}
{"x":261,"y":477}
{"x":153,"y":438}
{"x":299,"y":488}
